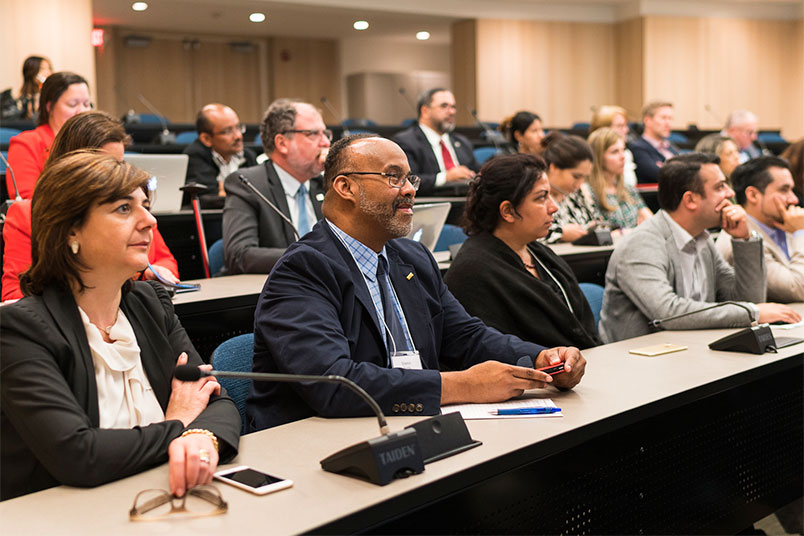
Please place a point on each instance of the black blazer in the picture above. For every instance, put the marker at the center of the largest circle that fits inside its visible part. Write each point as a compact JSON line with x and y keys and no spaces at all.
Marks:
{"x":254,"y":236}
{"x":490,"y":281}
{"x":315,"y":316}
{"x":202,"y":168}
{"x":646,"y":157}
{"x":423,"y":161}
{"x":49,"y":422}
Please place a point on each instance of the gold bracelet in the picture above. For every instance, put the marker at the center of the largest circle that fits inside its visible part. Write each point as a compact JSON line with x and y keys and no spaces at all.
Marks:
{"x":206,"y":433}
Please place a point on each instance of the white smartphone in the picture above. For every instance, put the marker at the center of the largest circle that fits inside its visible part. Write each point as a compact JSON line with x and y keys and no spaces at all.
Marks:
{"x":250,"y":479}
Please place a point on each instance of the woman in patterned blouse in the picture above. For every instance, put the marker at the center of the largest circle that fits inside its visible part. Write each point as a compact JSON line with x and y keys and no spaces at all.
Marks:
{"x":569,"y":160}
{"x":620,"y":204}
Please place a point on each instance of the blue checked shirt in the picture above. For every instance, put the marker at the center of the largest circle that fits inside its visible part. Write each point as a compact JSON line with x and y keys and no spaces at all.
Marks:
{"x":367,"y":261}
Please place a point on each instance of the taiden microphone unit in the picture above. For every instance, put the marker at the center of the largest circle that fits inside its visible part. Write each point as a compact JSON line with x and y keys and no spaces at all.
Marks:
{"x":382,"y":459}
{"x":756,"y":339}
{"x":271,"y":205}
{"x":166,"y":137}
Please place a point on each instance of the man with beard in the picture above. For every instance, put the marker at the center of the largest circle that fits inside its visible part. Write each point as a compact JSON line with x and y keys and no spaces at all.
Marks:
{"x":217,"y":152}
{"x":256,"y":234}
{"x":764,"y":187}
{"x":355,"y":299}
{"x":439,"y":156}
{"x":669,"y":266}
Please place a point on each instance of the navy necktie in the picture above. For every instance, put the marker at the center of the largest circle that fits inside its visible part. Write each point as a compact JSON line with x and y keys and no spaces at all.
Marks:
{"x":392,"y":319}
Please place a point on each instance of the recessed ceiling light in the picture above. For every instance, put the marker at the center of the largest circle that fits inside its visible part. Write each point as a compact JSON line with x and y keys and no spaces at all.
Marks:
{"x":257,"y":17}
{"x":139,"y":6}
{"x":360,"y":25}
{"x":422,"y":36}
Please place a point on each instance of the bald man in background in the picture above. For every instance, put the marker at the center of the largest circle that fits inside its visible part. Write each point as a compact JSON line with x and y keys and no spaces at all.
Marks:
{"x":217,"y":152}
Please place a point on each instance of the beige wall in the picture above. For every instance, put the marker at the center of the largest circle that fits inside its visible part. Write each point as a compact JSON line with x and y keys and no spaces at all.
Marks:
{"x":55,"y":29}
{"x":307,"y":69}
{"x":707,"y":66}
{"x":726,"y":64}
{"x":557,"y":69}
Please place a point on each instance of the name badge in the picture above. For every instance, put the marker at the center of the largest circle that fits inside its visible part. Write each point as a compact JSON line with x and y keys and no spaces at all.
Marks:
{"x":406,"y":360}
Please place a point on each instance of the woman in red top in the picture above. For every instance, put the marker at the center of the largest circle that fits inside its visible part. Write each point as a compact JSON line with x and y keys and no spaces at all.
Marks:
{"x":63,"y":95}
{"x":87,"y":130}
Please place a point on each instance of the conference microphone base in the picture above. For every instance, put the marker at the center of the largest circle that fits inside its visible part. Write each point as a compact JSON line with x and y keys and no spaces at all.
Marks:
{"x":404,"y":453}
{"x":379,"y":460}
{"x":754,"y":340}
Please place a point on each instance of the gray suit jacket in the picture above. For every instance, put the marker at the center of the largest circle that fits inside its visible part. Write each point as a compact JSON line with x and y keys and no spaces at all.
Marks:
{"x":644,"y":275}
{"x":254,"y":236}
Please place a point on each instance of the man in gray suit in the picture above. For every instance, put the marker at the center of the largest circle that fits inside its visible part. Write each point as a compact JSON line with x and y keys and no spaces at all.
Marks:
{"x":669,"y":265}
{"x":256,"y":234}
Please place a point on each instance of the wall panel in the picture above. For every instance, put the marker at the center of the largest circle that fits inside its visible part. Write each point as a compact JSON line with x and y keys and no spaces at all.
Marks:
{"x":628,"y":82}
{"x":557,"y":69}
{"x":307,"y":69}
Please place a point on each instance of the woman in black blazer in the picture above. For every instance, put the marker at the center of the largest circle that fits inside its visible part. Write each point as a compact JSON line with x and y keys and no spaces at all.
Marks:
{"x":502,"y":274}
{"x":87,"y":349}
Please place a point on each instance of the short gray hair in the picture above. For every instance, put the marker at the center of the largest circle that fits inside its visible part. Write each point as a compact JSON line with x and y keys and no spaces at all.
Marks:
{"x":278,"y":118}
{"x":740,"y":117}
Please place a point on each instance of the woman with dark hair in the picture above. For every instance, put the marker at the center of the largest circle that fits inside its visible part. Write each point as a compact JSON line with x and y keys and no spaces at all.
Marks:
{"x":87,"y":358}
{"x":87,"y":130}
{"x":502,"y":274}
{"x":63,"y":95}
{"x":569,"y":160}
{"x":524,"y":132}
{"x":35,"y":71}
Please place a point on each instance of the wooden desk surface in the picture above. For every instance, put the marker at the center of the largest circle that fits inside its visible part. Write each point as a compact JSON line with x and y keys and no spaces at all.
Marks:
{"x":221,"y":288}
{"x":617,"y":387}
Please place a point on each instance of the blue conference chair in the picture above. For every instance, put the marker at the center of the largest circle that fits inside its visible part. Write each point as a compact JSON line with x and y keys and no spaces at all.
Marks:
{"x":360,"y":122}
{"x":7,"y":133}
{"x":678,"y":138}
{"x":580,"y":126}
{"x":450,"y":234}
{"x":770,"y":137}
{"x":216,"y":260}
{"x":236,"y":354}
{"x":482,"y":154}
{"x":188,"y":136}
{"x":409,"y":122}
{"x":594,"y":295}
{"x":149,"y":119}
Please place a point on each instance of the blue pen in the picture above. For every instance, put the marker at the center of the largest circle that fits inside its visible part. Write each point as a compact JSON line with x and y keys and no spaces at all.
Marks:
{"x":528,"y":411}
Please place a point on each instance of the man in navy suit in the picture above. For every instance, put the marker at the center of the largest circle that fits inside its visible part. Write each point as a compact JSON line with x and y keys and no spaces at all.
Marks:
{"x":354,"y":299}
{"x":443,"y":159}
{"x":652,"y":149}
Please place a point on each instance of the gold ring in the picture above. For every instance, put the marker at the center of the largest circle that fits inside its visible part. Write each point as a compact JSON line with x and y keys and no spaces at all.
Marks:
{"x":203,"y":456}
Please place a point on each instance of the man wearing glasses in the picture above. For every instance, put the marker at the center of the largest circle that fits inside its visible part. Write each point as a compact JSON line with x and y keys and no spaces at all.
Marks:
{"x":443,"y":159}
{"x":256,"y":233}
{"x":217,"y":152}
{"x":351,"y":298}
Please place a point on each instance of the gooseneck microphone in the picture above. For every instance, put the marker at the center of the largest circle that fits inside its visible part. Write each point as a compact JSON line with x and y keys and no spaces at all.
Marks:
{"x":403,"y":92}
{"x":190,"y":373}
{"x":336,"y":115}
{"x":757,"y":339}
{"x":271,"y":205}
{"x":166,"y":137}
{"x":495,"y":137}
{"x":379,"y":460}
{"x":656,"y":323}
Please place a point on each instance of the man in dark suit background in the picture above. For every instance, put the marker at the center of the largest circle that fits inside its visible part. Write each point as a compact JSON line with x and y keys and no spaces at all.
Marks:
{"x":217,"y":152}
{"x":436,"y":154}
{"x":652,"y":149}
{"x":254,"y":234}
{"x":351,"y":298}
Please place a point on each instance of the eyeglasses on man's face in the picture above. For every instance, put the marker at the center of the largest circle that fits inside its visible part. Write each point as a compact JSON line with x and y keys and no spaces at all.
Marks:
{"x":241,"y":128}
{"x":312,"y":134}
{"x":394,"y":180}
{"x":154,"y":504}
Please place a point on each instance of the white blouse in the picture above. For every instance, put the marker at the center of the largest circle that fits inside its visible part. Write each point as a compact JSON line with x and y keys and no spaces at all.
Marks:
{"x":125,"y":396}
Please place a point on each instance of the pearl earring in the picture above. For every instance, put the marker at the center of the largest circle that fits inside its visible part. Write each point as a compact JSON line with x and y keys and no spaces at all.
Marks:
{"x":74,"y":246}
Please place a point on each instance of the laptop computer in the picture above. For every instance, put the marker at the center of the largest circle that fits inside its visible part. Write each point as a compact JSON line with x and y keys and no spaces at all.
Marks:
{"x":428,"y":220}
{"x":170,"y":171}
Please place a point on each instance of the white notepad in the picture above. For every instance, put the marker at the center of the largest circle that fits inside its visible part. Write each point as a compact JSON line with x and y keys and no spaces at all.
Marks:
{"x":486,"y":411}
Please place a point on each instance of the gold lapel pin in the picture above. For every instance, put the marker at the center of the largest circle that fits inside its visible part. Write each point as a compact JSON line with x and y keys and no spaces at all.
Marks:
{"x":410,"y":276}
